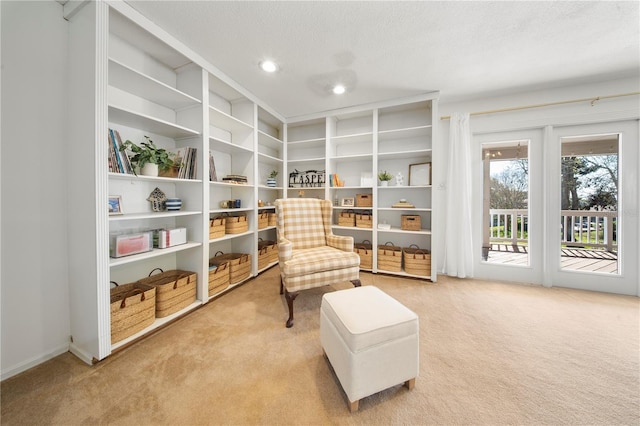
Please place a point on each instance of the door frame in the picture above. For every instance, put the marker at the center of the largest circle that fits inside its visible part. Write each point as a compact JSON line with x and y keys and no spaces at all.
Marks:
{"x":533,"y":273}
{"x":628,"y":235}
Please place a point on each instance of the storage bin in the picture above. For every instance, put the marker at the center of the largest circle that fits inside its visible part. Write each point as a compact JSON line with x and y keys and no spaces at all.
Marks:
{"x":272,"y":249}
{"x":133,"y":308}
{"x":390,"y":257}
{"x":364,"y":200}
{"x":347,"y":218}
{"x":417,"y":261}
{"x":272,"y":219}
{"x":364,"y":220}
{"x":410,"y":222}
{"x":239,"y":265}
{"x":263,"y":257}
{"x":218,"y":278}
{"x":217,"y":227}
{"x":175,"y":290}
{"x":263,"y":220}
{"x":127,"y":244}
{"x":236,"y":224}
{"x":365,"y":251}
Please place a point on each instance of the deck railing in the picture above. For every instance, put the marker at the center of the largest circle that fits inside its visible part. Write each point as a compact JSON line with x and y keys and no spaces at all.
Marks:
{"x":579,"y":228}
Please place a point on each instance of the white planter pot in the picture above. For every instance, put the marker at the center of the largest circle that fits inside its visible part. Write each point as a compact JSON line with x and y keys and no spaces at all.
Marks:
{"x":149,"y":169}
{"x":384,"y":183}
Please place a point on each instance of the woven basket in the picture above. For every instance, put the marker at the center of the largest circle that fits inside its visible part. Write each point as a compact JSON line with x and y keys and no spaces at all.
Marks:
{"x":364,"y":220}
{"x":175,"y":290}
{"x":272,"y":219}
{"x":347,"y":218}
{"x":365,"y":251}
{"x":390,"y":257}
{"x":364,"y":200}
{"x":263,"y":257}
{"x":239,"y":265}
{"x":236,"y":224}
{"x":133,"y":308}
{"x":410,"y":222}
{"x":218,"y":278}
{"x":417,"y":261}
{"x":272,"y":249}
{"x":216,"y":227}
{"x":263,"y":220}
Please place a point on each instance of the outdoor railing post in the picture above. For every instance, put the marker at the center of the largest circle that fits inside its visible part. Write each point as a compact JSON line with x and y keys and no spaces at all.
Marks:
{"x":609,"y":232}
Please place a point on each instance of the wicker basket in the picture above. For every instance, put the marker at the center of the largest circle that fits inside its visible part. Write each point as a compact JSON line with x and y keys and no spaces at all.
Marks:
{"x":263,"y":257}
{"x":218,"y":278}
{"x":347,"y":218}
{"x":272,"y":251}
{"x":133,"y":308}
{"x":236,"y":224}
{"x":175,"y":290}
{"x":390,"y":257}
{"x":364,"y":220}
{"x":410,"y":222}
{"x":365,"y":251}
{"x":216,"y":227}
{"x":272,"y":219}
{"x":364,"y":200}
{"x":417,"y":261}
{"x":239,"y":265}
{"x":263,"y":220}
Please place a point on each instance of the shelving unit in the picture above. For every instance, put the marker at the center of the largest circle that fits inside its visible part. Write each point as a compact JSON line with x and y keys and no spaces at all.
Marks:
{"x":359,"y":142}
{"x":130,"y":76}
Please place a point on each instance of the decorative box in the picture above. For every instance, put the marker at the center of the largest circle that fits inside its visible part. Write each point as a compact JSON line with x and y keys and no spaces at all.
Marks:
{"x":364,"y":200}
{"x":410,"y":222}
{"x":128,"y":244}
{"x":170,"y":237}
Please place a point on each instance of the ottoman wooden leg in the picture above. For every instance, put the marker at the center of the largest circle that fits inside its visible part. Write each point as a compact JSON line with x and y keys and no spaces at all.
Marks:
{"x":410,"y":384}
{"x":353,"y":406}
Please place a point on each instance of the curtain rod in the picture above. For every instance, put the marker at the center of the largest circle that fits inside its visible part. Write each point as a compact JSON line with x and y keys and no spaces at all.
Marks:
{"x":592,"y":100}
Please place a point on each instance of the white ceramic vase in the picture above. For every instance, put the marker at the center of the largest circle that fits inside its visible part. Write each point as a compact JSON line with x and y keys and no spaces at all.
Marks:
{"x":384,"y":183}
{"x":149,"y":169}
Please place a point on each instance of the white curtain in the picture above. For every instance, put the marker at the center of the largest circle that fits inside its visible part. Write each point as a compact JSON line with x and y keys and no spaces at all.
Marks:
{"x":458,"y":249}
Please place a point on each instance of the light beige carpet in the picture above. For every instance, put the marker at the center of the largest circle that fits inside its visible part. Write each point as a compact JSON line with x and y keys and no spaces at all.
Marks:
{"x":490,"y":354}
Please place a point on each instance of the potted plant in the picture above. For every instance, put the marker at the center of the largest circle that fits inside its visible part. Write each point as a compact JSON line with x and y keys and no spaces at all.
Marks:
{"x":384,"y":178}
{"x":148,"y":158}
{"x":271,"y":179}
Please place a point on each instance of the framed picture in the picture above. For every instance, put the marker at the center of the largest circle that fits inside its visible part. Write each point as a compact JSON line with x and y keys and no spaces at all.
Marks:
{"x":347,"y":202}
{"x":115,"y":204}
{"x":420,"y":174}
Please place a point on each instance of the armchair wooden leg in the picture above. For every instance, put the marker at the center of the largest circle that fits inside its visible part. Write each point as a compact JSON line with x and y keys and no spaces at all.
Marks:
{"x":356,"y":283}
{"x":281,"y":285}
{"x":290,"y":298}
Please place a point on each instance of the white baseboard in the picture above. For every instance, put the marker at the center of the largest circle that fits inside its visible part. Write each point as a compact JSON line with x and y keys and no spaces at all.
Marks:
{"x":32,"y":362}
{"x":84,"y":356}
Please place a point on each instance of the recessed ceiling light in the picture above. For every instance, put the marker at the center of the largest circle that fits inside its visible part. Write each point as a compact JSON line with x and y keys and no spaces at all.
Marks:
{"x":268,"y":66}
{"x":339,"y":89}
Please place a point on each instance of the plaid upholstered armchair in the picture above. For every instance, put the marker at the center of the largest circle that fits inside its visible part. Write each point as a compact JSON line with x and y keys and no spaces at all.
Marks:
{"x":309,"y":254}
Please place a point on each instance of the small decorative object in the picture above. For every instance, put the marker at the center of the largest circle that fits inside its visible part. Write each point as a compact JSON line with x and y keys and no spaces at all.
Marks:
{"x":260,"y":203}
{"x":300,"y":193}
{"x":403,"y":204}
{"x":115,"y":204}
{"x":384,"y":178}
{"x":399,"y":179}
{"x":158,"y":200}
{"x":237,"y":203}
{"x":347,"y":202}
{"x":420,"y":174}
{"x":148,"y":158}
{"x":271,"y":180}
{"x":174,"y":204}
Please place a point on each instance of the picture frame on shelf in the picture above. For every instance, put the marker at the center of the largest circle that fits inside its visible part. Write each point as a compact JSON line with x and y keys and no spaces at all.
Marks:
{"x":348,"y":202}
{"x":115,"y":205}
{"x":420,"y":174}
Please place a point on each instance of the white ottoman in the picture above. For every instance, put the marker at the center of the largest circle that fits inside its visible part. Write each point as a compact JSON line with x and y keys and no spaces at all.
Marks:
{"x":370,"y":339}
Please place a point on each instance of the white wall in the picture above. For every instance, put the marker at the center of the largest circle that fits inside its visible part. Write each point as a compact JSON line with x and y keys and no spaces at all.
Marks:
{"x":34,"y":293}
{"x":536,"y":118}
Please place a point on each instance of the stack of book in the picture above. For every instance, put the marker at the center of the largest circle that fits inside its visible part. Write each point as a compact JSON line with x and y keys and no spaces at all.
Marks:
{"x":185,"y":160}
{"x":118,"y":160}
{"x":238,"y":179}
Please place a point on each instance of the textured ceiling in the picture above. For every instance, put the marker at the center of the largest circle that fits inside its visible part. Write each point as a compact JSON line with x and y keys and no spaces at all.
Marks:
{"x":389,"y":49}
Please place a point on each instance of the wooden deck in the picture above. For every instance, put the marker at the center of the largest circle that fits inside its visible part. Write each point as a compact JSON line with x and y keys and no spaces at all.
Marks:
{"x":572,"y":258}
